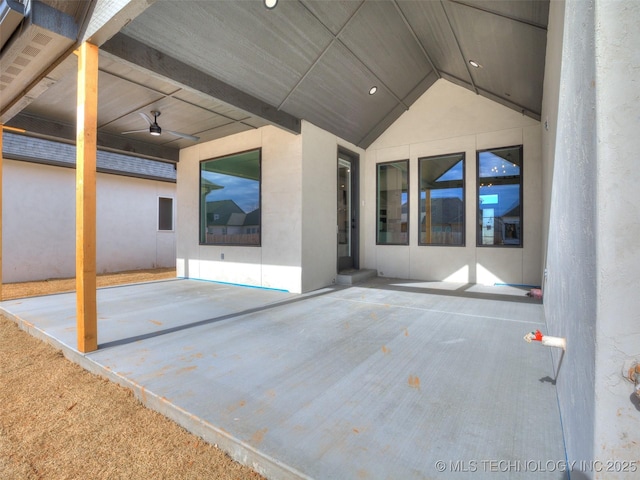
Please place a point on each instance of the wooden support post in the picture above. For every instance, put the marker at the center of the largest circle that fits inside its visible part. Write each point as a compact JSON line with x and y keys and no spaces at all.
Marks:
{"x":86,"y":145}
{"x":1,"y":193}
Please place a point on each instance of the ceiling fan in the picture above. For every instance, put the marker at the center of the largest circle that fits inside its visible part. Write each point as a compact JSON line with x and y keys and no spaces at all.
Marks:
{"x":154,"y":128}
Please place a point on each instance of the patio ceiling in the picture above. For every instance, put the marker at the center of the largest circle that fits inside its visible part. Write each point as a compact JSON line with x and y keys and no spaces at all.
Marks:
{"x":215,"y":68}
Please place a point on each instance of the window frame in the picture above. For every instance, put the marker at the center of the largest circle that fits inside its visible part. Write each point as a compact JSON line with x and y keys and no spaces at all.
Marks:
{"x":464,"y":200}
{"x":521,"y":198}
{"x":408,"y":183}
{"x":200,"y":203}
{"x":173,"y":223}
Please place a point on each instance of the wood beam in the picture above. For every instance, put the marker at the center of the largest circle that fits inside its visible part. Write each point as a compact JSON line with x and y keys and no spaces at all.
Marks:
{"x":59,"y":131}
{"x":86,"y":154}
{"x":145,"y":58}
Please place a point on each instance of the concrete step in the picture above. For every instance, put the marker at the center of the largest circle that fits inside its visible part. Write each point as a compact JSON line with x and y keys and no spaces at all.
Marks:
{"x":351,"y":277}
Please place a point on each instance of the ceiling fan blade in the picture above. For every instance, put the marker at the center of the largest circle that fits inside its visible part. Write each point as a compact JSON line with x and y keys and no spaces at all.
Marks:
{"x":146,"y":117}
{"x":183,"y":135}
{"x":135,"y":131}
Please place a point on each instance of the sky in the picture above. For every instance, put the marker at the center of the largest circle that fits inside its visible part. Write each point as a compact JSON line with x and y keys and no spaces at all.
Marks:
{"x":245,"y":193}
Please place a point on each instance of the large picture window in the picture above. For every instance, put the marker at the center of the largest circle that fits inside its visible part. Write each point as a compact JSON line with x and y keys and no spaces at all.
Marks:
{"x":230,"y":200}
{"x":393,"y":203}
{"x":442,"y":200}
{"x":500,"y":197}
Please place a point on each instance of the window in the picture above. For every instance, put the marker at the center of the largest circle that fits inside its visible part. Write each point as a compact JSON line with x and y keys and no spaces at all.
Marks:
{"x":165,"y":213}
{"x":442,"y":200}
{"x":500,"y":197}
{"x":230,"y":200}
{"x":392,"y":203}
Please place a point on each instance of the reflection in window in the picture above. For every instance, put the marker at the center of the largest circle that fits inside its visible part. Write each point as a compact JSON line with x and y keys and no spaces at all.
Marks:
{"x":392,"y":203}
{"x":230,"y":200}
{"x":500,"y":197}
{"x":442,"y":200}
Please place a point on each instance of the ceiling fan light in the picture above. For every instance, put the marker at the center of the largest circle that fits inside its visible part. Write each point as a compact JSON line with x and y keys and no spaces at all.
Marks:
{"x":155,"y":129}
{"x":270,"y":4}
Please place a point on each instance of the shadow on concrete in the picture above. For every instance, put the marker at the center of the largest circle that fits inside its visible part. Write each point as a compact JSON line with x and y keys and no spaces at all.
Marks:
{"x":463,"y":291}
{"x":166,"y":331}
{"x":547,"y":379}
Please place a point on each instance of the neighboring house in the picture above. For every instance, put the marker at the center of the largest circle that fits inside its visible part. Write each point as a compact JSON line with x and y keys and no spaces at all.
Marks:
{"x":227,"y":223}
{"x":219,"y":215}
{"x":135,"y":211}
{"x":251,"y":224}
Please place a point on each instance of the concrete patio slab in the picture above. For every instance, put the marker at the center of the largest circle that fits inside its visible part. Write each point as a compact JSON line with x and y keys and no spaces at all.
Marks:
{"x":388,"y":379}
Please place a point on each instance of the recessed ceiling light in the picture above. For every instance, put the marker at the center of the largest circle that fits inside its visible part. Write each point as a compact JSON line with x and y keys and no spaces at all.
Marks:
{"x":373,"y":90}
{"x":474,"y":64}
{"x":270,"y":4}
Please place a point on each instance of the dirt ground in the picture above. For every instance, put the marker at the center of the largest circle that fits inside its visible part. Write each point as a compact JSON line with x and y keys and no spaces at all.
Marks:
{"x":58,"y":421}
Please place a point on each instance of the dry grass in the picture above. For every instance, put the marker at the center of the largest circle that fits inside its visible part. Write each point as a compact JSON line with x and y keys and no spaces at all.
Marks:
{"x":58,"y":421}
{"x":59,"y":285}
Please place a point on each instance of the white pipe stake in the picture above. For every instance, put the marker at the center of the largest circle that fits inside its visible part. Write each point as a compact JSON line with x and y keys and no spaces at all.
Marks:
{"x":559,"y":342}
{"x":546,"y":340}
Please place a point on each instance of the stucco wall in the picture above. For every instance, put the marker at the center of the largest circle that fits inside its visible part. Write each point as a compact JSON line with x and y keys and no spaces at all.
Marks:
{"x":570,"y":296}
{"x":551,"y":89}
{"x":450,"y":119}
{"x":319,"y":249}
{"x":592,"y":252}
{"x":617,"y":91}
{"x":319,"y":200}
{"x":298,"y":251}
{"x":277,"y":262}
{"x":39,"y":223}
